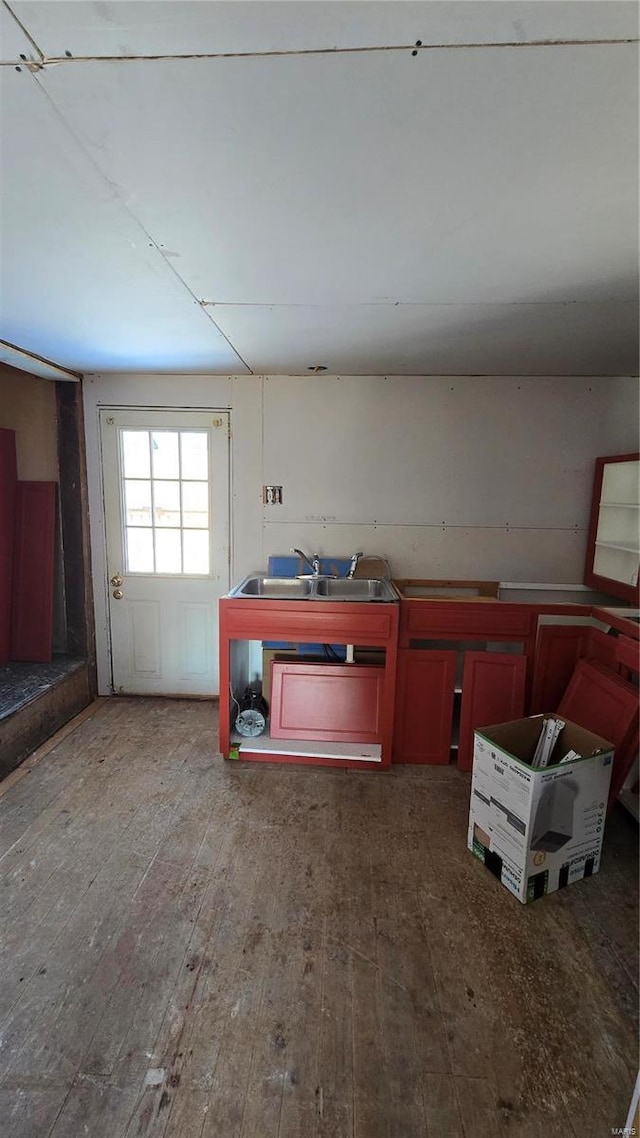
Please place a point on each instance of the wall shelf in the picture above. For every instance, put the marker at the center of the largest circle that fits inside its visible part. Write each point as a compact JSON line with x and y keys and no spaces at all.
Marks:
{"x":623,"y":505}
{"x":265,"y":745}
{"x":622,"y":548}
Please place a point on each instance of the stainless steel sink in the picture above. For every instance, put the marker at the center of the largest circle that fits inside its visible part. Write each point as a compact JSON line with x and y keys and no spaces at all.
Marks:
{"x":315,"y":589}
{"x":355,"y":589}
{"x":275,"y":588}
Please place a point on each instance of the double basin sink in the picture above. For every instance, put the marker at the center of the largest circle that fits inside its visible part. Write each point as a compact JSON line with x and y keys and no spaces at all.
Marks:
{"x":315,"y":589}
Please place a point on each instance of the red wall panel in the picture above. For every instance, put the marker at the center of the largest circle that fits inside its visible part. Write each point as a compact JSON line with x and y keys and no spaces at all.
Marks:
{"x":34,"y":549}
{"x":334,"y":702}
{"x":8,"y":480}
{"x":493,"y":686}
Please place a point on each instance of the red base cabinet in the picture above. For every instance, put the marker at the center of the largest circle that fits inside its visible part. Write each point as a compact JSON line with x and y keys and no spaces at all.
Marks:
{"x":424,"y":706}
{"x":364,"y":715}
{"x":559,"y":649}
{"x":434,"y":634}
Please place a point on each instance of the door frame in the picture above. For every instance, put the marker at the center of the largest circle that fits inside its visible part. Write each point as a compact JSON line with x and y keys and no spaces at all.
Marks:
{"x":100,"y":575}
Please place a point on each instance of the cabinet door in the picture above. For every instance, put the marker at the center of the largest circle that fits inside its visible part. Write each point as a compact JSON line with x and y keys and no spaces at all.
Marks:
{"x":607,"y":705}
{"x":493,"y":686}
{"x":424,"y":706}
{"x":558,"y":649}
{"x":331,"y":702}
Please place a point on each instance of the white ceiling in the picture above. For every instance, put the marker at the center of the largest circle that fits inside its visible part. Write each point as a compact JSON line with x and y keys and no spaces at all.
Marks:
{"x":466,"y":210}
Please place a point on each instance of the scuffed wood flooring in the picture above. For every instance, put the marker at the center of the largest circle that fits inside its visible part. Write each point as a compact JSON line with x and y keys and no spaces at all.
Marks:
{"x":194,"y":949}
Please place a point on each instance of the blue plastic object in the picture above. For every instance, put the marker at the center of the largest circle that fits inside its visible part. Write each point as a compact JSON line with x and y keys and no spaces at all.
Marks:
{"x":288,"y":565}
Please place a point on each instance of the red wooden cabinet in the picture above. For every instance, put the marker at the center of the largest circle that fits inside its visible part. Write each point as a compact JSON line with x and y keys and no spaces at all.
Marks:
{"x":426,"y":695}
{"x":559,"y":649}
{"x":493,"y":687}
{"x":366,"y":714}
{"x":331,"y":702}
{"x":424,"y":706}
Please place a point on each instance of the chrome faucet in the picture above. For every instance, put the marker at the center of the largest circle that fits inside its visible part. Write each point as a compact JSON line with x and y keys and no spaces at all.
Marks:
{"x":354,"y":563}
{"x":314,"y":565}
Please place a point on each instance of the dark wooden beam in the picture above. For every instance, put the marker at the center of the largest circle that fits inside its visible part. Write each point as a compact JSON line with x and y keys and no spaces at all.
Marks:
{"x":74,"y":509}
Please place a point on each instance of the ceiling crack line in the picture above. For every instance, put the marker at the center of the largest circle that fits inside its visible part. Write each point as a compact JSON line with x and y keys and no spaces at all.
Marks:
{"x":24,"y":30}
{"x":414,"y":303}
{"x":59,"y":60}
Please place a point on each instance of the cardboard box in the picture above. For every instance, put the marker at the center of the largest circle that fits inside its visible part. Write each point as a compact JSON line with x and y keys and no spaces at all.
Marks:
{"x":538,"y":830}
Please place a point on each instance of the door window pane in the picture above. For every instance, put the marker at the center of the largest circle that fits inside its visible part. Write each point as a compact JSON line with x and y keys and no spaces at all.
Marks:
{"x":195,"y":455}
{"x":137,"y":495}
{"x":164,"y":450}
{"x":166,"y":503}
{"x":135,"y":454}
{"x":165,"y":499}
{"x":139,"y":550}
{"x":195,"y":505}
{"x":196,"y":551}
{"x":168,"y":559}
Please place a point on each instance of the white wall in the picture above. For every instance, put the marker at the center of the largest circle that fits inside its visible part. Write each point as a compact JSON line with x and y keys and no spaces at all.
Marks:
{"x":446,"y":477}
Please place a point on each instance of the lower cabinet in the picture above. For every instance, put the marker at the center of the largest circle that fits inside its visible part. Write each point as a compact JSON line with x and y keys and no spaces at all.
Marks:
{"x":493,"y":691}
{"x":424,"y":706}
{"x":558,"y":650}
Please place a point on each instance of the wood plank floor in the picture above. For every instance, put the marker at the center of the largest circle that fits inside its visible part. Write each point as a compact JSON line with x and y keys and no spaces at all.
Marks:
{"x":194,"y":949}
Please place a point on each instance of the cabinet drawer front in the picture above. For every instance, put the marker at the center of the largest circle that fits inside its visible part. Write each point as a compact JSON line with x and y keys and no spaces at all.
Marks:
{"x":322,"y":625}
{"x":332,"y":702}
{"x":428,"y":619}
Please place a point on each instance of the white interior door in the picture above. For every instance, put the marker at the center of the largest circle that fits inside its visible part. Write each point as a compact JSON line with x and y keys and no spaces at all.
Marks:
{"x":166,"y":498}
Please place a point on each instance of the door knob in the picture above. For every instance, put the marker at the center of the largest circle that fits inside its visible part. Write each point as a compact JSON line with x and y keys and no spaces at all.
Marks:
{"x":116,"y":581}
{"x":117,"y":594}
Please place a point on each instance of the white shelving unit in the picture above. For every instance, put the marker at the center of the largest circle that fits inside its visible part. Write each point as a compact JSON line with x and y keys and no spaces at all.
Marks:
{"x":615,"y":553}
